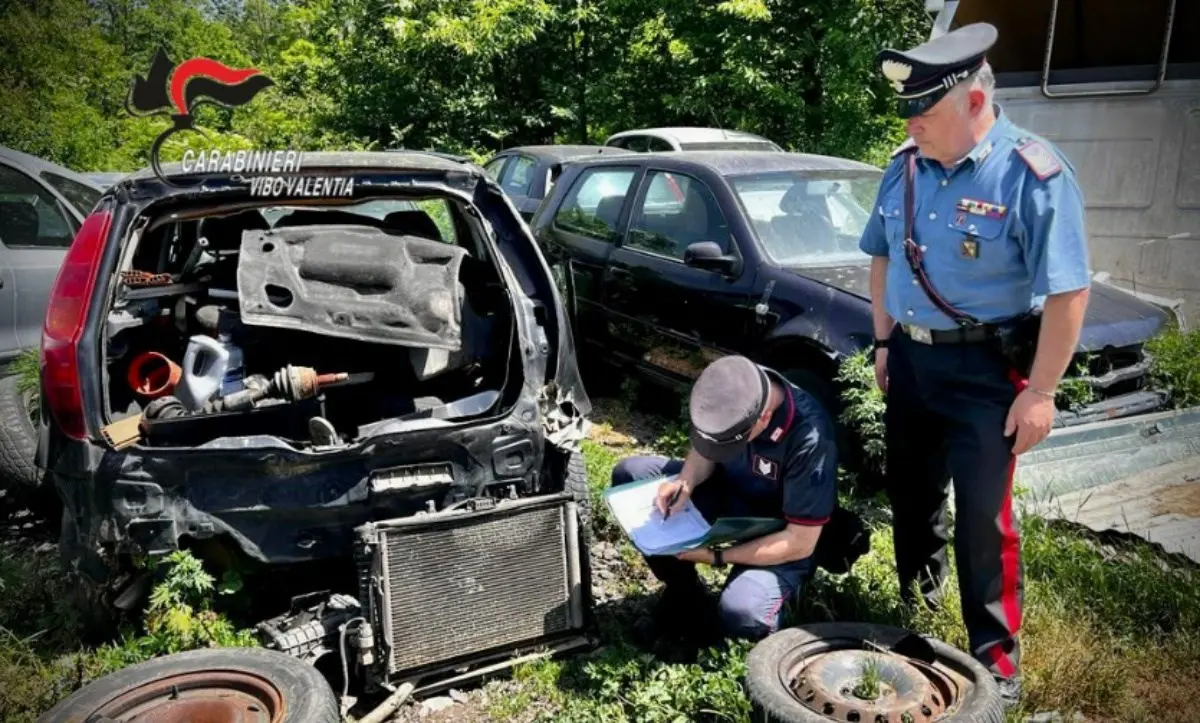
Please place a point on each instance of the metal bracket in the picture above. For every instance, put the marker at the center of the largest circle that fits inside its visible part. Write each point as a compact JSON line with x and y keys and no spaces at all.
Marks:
{"x":1162,"y":63}
{"x":945,"y":14}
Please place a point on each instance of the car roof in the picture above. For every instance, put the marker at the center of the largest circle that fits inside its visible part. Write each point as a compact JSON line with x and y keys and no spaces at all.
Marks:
{"x":561,"y":152}
{"x":400,"y":160}
{"x":690,"y":134}
{"x":735,"y":163}
{"x":36,"y":165}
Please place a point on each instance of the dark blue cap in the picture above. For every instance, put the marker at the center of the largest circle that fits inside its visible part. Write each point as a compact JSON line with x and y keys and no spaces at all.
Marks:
{"x":925,"y":74}
{"x":727,"y":399}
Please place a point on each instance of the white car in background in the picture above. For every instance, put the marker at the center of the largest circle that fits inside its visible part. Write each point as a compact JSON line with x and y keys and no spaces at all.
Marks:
{"x":689,"y":138}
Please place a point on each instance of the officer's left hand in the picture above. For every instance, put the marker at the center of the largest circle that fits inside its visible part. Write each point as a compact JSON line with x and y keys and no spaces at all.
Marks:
{"x":700,"y":554}
{"x":1031,"y":417}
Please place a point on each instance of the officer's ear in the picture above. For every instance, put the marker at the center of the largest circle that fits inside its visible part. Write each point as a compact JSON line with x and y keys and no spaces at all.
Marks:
{"x":976,"y":101}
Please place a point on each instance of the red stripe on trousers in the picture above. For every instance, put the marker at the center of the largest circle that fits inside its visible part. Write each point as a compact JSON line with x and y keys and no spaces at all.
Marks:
{"x":1010,"y":556}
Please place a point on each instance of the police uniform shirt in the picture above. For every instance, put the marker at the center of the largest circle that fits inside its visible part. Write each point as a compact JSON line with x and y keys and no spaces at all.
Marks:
{"x":999,"y":231}
{"x":790,"y":469}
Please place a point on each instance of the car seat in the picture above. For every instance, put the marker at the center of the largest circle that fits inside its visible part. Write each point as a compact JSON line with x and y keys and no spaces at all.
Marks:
{"x":805,"y":228}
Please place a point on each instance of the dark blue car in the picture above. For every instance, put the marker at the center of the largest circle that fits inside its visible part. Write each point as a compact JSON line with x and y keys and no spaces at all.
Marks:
{"x":668,"y":260}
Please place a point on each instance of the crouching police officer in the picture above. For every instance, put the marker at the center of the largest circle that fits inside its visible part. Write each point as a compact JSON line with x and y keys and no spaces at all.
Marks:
{"x":981,"y":258}
{"x":760,"y":446}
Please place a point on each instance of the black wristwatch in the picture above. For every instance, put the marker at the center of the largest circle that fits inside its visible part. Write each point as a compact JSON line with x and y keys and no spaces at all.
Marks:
{"x":879,"y":344}
{"x":718,"y":558}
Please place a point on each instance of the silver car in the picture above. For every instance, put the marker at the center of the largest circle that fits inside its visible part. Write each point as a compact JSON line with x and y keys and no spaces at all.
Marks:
{"x":42,"y":205}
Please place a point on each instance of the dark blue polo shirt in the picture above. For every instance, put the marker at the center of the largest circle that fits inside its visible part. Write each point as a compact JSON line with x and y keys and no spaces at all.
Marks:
{"x":790,"y":470}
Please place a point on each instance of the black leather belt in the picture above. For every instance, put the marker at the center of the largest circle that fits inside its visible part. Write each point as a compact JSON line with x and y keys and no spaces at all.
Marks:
{"x":969,"y":335}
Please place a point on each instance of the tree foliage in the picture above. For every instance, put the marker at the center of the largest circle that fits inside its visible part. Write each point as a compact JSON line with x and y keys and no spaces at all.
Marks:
{"x":468,"y":76}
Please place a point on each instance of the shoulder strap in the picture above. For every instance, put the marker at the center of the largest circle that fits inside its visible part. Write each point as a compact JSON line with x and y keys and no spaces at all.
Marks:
{"x":1040,"y":159}
{"x":912,"y":252}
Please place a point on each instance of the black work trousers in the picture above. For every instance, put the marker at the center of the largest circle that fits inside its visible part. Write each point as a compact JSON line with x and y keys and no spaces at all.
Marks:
{"x":946,"y":409}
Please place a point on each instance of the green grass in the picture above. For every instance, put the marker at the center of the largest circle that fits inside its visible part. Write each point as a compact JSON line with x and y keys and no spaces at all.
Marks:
{"x":1176,"y":364}
{"x":41,"y":657}
{"x":1111,"y":627}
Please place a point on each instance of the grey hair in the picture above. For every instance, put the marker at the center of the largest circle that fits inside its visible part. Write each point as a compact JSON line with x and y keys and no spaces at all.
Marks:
{"x":984,"y":79}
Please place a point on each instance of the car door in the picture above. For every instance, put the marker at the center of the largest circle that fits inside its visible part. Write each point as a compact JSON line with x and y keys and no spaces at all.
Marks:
{"x":583,"y":232}
{"x":36,"y":229}
{"x":9,"y":345}
{"x":677,"y":317}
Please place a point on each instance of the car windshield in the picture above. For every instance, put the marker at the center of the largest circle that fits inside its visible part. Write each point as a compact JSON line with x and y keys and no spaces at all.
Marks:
{"x":805,"y":218}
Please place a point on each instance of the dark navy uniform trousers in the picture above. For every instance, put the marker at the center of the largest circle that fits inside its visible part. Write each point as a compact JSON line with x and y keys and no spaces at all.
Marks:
{"x":751,"y":603}
{"x":946,"y":409}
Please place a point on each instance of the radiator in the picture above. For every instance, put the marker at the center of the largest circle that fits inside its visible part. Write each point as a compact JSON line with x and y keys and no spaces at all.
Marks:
{"x":450,"y":585}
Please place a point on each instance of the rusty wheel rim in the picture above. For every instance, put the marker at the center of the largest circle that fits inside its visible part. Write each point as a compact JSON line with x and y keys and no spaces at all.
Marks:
{"x":218,"y":696}
{"x":869,"y":686}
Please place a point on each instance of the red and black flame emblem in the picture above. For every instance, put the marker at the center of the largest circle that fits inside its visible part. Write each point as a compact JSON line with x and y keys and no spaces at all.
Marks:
{"x":178,"y":89}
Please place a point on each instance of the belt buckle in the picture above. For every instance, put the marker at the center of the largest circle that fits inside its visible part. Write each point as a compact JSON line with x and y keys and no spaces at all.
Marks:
{"x":919,"y":334}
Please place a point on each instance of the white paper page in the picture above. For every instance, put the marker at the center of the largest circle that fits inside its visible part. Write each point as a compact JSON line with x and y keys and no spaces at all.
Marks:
{"x":637,"y":514}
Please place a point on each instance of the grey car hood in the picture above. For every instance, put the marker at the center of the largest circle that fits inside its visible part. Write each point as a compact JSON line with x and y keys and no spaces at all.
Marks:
{"x":1114,"y":317}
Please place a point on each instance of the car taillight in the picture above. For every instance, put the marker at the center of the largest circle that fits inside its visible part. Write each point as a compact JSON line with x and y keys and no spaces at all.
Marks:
{"x":65,"y":317}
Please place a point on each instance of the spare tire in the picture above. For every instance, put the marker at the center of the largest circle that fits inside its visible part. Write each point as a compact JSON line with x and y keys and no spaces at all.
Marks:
{"x":815,"y":673}
{"x":245,"y":684}
{"x":18,"y":438}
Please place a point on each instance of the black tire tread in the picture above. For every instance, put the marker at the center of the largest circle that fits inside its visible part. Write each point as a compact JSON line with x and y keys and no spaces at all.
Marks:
{"x":307,"y":695}
{"x":18,"y":438}
{"x":773,"y":703}
{"x":576,"y":482}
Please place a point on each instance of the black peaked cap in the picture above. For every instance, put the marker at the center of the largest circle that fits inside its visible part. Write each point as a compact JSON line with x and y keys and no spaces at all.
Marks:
{"x":726,"y":400}
{"x":923,"y":75}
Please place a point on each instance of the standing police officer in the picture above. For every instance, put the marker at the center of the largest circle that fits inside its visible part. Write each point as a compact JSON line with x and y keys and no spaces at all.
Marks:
{"x":979,"y":283}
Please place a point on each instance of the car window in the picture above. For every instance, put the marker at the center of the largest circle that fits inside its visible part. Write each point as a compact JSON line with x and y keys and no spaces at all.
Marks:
{"x":82,"y":197}
{"x":493,"y":167}
{"x":518,"y":175}
{"x":593,"y":204}
{"x":657,"y":144}
{"x":30,"y":216}
{"x":808,"y":219}
{"x":676,"y":211}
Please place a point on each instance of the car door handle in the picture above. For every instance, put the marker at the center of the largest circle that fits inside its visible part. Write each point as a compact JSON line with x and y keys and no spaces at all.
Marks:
{"x":618,"y":271}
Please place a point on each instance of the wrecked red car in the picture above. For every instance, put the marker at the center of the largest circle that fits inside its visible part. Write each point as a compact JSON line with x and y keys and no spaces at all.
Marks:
{"x":357,"y":384}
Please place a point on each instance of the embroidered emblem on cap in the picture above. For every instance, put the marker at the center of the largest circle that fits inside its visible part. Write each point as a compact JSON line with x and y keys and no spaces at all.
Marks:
{"x":896,"y":72}
{"x":764,"y":467}
{"x":1039,"y":159}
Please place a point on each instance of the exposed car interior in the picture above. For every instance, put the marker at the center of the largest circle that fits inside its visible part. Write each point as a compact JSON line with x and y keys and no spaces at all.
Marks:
{"x":317,"y":325}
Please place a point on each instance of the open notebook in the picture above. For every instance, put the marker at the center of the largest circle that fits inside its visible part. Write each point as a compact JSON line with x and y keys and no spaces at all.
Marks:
{"x":633,"y":507}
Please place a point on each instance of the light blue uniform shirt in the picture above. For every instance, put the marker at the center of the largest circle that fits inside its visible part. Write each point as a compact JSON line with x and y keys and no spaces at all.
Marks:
{"x":996,"y":238}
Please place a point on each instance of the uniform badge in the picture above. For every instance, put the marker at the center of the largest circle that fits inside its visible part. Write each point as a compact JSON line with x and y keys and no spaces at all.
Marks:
{"x":969,"y":248}
{"x":764,"y":467}
{"x":1039,"y":159}
{"x":777,"y":434}
{"x":981,"y":208}
{"x":960,"y":218}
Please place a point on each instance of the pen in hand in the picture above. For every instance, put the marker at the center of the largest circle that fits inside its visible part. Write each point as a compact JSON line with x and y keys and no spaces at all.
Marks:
{"x":671,"y":502}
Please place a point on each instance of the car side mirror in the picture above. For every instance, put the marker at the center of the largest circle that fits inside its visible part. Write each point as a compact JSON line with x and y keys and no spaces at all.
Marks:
{"x":707,"y":255}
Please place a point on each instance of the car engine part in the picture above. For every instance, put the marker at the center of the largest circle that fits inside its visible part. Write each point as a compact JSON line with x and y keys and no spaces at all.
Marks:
{"x":353,"y":282}
{"x":442,"y":587}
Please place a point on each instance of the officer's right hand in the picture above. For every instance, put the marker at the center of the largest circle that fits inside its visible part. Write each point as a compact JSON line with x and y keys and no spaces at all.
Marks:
{"x":881,"y":374}
{"x":666,"y":490}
